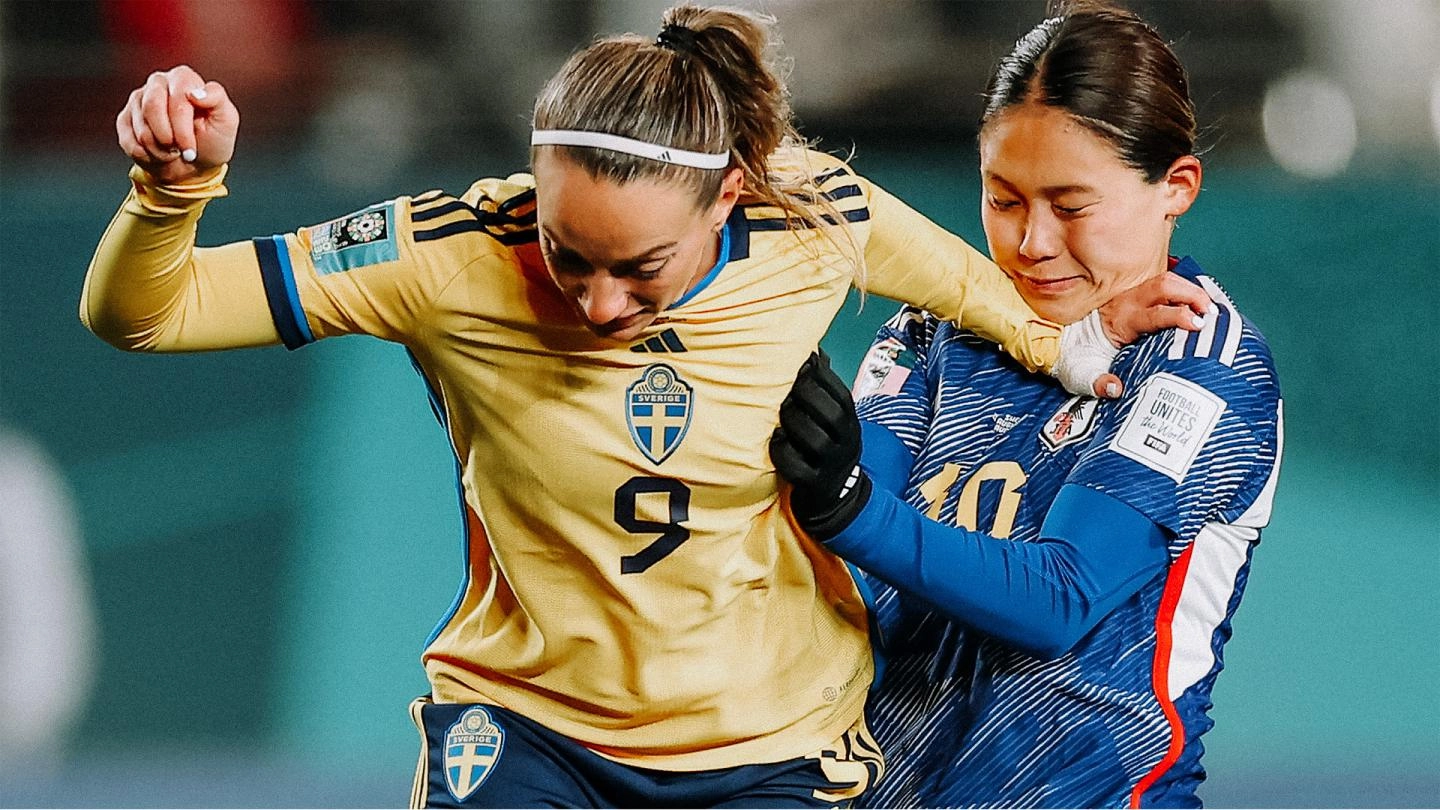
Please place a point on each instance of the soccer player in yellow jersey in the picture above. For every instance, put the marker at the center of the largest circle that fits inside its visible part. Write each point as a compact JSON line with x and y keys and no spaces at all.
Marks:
{"x":607,"y":344}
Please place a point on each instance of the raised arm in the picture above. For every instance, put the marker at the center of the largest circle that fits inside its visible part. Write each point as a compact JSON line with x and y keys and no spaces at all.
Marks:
{"x":178,"y":127}
{"x":148,"y":287}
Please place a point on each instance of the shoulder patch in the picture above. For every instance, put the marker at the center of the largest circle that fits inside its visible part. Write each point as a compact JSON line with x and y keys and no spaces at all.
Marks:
{"x":1168,"y":425}
{"x":356,"y":240}
{"x":884,"y":370}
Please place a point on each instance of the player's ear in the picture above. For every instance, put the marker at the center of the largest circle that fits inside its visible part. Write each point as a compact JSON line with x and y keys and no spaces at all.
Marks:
{"x":730,"y":189}
{"x":1181,"y":185}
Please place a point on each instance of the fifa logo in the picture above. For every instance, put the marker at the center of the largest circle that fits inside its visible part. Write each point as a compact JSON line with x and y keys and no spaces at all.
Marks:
{"x":472,"y":747}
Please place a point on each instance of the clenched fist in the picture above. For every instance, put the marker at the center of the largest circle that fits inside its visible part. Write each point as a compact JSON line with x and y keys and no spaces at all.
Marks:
{"x":178,"y":126}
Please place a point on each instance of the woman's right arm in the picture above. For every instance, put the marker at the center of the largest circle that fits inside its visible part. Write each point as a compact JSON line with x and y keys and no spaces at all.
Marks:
{"x":148,"y":287}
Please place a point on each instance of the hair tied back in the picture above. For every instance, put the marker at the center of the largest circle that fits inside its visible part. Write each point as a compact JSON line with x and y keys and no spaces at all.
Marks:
{"x":677,"y":38}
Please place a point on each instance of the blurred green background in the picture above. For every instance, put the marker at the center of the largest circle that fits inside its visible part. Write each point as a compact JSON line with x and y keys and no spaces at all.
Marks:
{"x":269,"y":536}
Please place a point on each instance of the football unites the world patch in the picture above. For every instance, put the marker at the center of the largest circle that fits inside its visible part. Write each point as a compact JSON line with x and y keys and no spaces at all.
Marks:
{"x":1168,"y":425}
{"x":357,"y":240}
{"x":658,"y":407}
{"x":472,"y":747}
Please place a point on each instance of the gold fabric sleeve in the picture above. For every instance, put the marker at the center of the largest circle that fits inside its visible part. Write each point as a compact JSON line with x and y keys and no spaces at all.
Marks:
{"x":911,"y":259}
{"x":150,"y":289}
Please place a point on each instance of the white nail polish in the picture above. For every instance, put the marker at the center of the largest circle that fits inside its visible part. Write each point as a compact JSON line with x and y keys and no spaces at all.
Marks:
{"x":1112,"y":390}
{"x":188,"y":155}
{"x":1198,"y":321}
{"x":198,"y":94}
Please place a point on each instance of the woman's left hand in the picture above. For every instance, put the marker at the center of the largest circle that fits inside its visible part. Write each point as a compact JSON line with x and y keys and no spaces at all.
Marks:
{"x":1088,"y":346}
{"x":1163,"y":302}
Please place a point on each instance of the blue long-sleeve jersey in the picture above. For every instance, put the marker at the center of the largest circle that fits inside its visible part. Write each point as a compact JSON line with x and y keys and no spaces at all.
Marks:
{"x":1054,"y":575}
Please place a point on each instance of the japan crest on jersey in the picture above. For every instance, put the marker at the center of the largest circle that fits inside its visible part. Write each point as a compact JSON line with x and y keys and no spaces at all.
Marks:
{"x":472,"y":746}
{"x":1073,"y":422}
{"x":658,"y":407}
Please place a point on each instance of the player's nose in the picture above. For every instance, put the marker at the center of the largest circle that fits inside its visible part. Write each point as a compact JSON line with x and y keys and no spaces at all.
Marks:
{"x":604,"y":299}
{"x":1042,"y":239}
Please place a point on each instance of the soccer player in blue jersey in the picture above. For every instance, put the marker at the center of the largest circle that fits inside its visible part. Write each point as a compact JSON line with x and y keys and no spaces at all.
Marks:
{"x":606,"y":343}
{"x":1055,"y":574}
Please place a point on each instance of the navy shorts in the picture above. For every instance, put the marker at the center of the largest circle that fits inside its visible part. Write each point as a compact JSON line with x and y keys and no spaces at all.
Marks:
{"x":477,"y":755}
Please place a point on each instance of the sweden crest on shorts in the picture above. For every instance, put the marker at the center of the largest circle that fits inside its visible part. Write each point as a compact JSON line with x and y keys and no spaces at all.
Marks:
{"x":658,"y":407}
{"x":472,"y":746}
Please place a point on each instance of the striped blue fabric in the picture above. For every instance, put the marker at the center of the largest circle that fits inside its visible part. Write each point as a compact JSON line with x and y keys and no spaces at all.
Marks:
{"x":970,"y":720}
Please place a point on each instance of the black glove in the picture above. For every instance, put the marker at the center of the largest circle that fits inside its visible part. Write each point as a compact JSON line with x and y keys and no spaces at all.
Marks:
{"x":817,"y":449}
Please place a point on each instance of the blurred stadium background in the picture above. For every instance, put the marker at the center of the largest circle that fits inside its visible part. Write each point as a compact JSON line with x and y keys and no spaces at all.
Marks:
{"x":263,"y":540}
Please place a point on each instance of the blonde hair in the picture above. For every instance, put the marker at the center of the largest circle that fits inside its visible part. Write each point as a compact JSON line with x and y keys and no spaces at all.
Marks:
{"x":708,"y":83}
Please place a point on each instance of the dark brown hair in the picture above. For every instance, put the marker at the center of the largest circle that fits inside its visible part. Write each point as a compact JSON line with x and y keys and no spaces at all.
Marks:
{"x":1110,"y":70}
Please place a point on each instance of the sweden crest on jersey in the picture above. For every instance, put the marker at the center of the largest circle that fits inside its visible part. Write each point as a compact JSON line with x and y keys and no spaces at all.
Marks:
{"x":472,"y":746}
{"x":658,"y":407}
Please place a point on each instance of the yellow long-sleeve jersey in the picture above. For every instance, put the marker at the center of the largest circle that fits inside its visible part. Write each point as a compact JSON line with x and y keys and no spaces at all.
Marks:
{"x":632,"y":579}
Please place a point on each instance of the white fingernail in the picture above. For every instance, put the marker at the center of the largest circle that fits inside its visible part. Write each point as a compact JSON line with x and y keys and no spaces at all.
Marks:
{"x":1214,"y":308}
{"x":188,"y":155}
{"x":1198,"y":321}
{"x":198,"y":94}
{"x":1112,"y":390}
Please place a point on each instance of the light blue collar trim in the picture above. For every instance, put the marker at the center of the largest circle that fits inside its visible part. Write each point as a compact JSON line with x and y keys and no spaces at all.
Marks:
{"x":712,"y":273}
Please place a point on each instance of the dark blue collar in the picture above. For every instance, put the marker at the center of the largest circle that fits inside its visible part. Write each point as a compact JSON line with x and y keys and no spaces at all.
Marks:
{"x":1188,"y":268}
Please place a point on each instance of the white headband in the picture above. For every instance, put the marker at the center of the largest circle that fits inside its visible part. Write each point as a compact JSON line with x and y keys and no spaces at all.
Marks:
{"x":630,"y":146}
